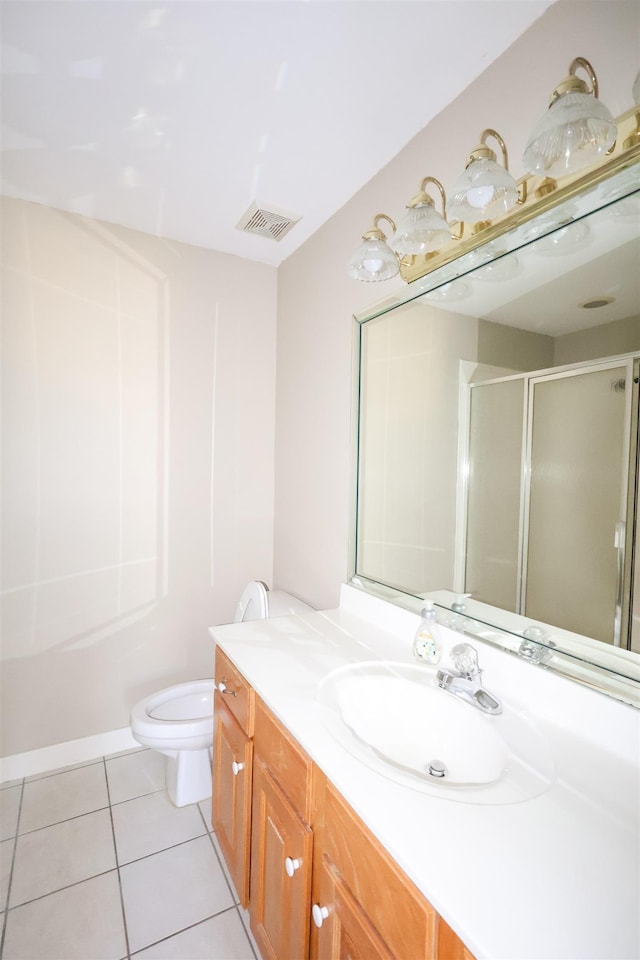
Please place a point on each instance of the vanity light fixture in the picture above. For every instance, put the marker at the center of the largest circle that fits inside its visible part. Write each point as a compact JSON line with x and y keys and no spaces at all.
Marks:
{"x":374,"y":260}
{"x":485,"y":190}
{"x":421,"y":228}
{"x":577,"y":145}
{"x":576,"y":129}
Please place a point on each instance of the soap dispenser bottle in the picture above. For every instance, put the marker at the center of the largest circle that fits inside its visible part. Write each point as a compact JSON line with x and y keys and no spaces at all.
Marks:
{"x":426,"y":646}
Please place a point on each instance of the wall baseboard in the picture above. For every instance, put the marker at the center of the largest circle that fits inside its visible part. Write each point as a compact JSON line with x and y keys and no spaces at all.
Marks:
{"x":64,"y":754}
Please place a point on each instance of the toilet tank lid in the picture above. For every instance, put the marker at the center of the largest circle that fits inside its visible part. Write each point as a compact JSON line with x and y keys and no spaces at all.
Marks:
{"x":281,"y":604}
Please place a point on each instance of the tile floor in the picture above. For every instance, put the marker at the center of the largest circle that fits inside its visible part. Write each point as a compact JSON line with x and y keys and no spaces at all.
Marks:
{"x":96,"y":864}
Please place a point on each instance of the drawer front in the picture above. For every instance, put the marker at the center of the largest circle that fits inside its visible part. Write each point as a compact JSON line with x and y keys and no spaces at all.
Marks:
{"x":403,"y":918}
{"x":237,"y":694}
{"x":285,"y":760}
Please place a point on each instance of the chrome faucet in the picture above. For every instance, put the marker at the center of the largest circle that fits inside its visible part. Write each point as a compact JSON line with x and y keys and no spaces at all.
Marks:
{"x":465,"y":681}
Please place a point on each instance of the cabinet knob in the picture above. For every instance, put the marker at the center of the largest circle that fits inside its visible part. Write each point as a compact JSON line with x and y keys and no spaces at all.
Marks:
{"x":319,"y":914}
{"x":237,"y":767}
{"x":222,"y":687}
{"x":291,"y":866}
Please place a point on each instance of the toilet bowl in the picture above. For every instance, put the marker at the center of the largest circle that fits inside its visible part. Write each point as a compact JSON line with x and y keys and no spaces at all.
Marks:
{"x":178,"y":721}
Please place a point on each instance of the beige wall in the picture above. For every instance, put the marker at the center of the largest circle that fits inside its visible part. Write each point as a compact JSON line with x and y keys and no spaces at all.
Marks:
{"x":138,"y":413}
{"x":511,"y":347}
{"x":316,"y":300}
{"x":409,"y":444}
{"x":605,"y":340}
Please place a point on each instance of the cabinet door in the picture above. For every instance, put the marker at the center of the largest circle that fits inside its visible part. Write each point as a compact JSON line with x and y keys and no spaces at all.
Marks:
{"x":231,"y":809}
{"x":395,"y":908}
{"x":281,"y":850}
{"x":342,"y":930}
{"x":450,"y":946}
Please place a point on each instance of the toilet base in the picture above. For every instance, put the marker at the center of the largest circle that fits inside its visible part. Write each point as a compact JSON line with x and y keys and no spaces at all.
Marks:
{"x":188,"y":775}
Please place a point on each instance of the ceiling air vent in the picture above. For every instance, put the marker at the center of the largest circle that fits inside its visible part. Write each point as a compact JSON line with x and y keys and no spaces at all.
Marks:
{"x":273,"y":223}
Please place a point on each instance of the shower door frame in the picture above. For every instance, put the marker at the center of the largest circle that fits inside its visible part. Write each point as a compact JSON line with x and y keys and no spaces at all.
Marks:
{"x":628,"y":481}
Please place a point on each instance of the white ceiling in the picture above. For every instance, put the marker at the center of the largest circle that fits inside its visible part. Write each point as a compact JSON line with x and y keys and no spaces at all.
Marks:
{"x":173,"y":117}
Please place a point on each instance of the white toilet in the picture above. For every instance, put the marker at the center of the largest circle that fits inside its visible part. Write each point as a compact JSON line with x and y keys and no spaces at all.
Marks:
{"x":178,"y":721}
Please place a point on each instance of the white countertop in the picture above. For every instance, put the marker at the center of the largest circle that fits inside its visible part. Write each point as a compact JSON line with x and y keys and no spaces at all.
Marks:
{"x":555,"y":877}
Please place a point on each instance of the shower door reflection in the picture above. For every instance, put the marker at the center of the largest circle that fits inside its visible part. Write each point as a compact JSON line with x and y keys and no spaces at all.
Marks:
{"x":566,"y":466}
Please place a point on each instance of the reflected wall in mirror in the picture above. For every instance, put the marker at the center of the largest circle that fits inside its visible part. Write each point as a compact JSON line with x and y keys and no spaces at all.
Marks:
{"x":498,"y":432}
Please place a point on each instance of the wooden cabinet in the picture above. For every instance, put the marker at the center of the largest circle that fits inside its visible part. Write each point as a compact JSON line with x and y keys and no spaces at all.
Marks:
{"x":343,"y":931}
{"x":282,"y":842}
{"x":371,"y":895}
{"x":450,"y":946}
{"x":296,"y":850}
{"x":232,"y":771}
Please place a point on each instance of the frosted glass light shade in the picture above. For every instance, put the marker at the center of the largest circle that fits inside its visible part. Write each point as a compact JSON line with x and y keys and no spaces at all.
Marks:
{"x":505,"y":268}
{"x":449,"y":292}
{"x":484,"y":191}
{"x":372,"y":261}
{"x":565,"y":240}
{"x":573,"y":133}
{"x":420,"y":230}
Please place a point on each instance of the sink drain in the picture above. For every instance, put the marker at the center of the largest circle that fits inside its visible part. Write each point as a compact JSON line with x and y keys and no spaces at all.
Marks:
{"x":436,"y":769}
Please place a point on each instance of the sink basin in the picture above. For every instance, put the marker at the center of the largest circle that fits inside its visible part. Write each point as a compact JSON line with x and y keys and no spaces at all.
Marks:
{"x":395,"y":718}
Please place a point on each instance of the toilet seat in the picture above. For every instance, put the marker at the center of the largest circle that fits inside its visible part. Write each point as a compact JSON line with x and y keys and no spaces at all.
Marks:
{"x":186,"y":709}
{"x":194,"y":705}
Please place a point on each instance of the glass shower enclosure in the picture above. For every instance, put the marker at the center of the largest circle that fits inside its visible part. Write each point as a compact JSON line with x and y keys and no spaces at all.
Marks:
{"x":552,"y":477}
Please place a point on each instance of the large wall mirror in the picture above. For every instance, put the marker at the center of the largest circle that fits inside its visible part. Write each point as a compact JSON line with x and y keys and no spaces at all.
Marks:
{"x":498,"y":439}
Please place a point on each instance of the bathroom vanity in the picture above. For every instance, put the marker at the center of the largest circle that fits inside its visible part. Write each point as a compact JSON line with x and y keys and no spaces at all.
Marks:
{"x":336,"y":857}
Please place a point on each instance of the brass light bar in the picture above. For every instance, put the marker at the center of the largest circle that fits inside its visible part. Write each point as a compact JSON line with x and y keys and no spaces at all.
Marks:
{"x":538,"y":194}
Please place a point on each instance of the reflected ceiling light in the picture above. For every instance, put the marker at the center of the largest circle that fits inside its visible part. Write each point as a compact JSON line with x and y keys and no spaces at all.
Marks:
{"x":505,"y":268}
{"x":374,"y":260}
{"x":421,"y":228}
{"x":576,"y":129}
{"x":485,"y":190}
{"x":449,"y":292}
{"x":562,"y":216}
{"x":565,"y":240}
{"x":475,"y":258}
{"x":626,"y":210}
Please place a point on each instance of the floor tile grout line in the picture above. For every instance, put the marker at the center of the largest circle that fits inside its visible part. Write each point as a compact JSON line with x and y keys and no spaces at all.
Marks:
{"x":77,"y":816}
{"x":56,"y":823}
{"x":13,"y":861}
{"x":204,"y":819}
{"x":230,"y":886}
{"x":154,"y":853}
{"x":208,"y":831}
{"x":183,"y":930}
{"x":66,"y":886}
{"x":246,"y":932}
{"x":72,"y":768}
{"x":149,"y":793}
{"x":115,"y":853}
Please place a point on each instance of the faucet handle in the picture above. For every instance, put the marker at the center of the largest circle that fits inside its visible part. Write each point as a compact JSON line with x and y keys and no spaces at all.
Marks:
{"x":465,"y":659}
